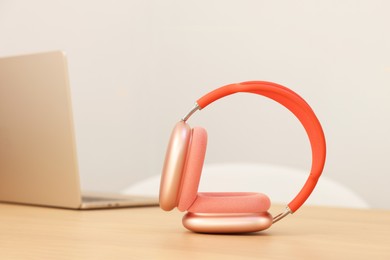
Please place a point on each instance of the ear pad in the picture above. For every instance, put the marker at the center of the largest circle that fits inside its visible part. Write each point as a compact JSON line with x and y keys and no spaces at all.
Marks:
{"x":193,"y":168}
{"x":230,"y":202}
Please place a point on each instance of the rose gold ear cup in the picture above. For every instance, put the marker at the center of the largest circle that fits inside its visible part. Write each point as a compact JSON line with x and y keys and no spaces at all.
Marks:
{"x":227,"y":222}
{"x":173,"y":166}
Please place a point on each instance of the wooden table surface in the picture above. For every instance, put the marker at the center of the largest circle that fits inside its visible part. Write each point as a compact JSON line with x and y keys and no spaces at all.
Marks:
{"x":28,"y":232}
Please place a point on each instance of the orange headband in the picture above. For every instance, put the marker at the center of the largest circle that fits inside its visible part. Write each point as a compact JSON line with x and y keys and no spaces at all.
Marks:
{"x":299,"y":108}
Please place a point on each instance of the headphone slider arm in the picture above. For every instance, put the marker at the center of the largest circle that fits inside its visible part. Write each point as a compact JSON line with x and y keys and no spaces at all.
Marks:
{"x":189,"y":114}
{"x":282,"y":215}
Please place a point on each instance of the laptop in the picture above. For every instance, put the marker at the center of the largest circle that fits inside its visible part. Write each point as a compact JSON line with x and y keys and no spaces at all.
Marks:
{"x":38,"y":158}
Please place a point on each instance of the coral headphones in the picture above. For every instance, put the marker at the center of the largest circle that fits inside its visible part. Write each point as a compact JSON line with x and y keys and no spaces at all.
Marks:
{"x":231,"y":212}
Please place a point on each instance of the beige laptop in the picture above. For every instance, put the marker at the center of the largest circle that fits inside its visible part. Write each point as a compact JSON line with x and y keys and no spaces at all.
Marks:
{"x":38,"y":159}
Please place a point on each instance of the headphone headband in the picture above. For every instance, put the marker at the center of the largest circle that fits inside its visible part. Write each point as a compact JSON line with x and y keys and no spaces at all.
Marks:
{"x":299,"y":108}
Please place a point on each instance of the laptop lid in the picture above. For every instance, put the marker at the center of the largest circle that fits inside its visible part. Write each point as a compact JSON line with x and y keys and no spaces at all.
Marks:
{"x":38,"y":161}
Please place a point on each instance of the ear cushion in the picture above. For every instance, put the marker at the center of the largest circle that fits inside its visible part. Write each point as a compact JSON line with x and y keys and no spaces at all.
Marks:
{"x":230,"y":202}
{"x":193,"y":168}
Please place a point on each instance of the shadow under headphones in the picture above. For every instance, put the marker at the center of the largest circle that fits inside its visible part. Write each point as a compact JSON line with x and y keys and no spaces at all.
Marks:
{"x":231,"y":212}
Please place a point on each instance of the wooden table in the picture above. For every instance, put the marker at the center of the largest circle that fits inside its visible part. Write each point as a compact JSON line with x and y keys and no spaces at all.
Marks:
{"x":28,"y":232}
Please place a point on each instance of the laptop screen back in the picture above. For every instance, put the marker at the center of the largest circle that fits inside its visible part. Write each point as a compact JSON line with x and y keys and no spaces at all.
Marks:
{"x":38,"y":161}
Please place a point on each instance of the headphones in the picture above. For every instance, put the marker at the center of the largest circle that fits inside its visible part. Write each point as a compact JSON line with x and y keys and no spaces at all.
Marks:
{"x":231,"y":212}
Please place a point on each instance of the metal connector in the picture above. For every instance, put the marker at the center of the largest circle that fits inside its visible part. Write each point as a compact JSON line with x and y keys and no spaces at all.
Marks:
{"x":189,"y":114}
{"x":281,"y":215}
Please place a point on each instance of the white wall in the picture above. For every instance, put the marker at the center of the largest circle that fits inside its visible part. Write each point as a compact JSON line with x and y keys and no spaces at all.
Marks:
{"x":137,"y":66}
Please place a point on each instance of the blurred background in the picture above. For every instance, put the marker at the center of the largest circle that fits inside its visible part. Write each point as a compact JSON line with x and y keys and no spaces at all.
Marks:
{"x":136,"y":67}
